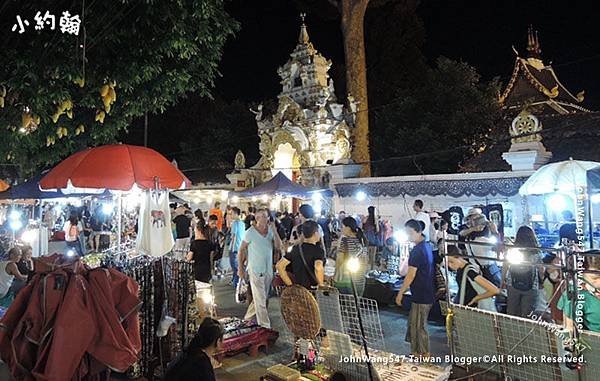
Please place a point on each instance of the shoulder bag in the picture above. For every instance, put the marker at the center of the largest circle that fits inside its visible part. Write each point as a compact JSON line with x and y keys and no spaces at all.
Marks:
{"x":310,"y":271}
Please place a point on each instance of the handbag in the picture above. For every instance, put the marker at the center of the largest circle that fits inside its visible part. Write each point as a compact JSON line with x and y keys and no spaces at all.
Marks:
{"x":241,"y":292}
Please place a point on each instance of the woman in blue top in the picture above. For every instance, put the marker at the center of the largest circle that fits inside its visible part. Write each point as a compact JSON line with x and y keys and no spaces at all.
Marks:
{"x":420,"y":279}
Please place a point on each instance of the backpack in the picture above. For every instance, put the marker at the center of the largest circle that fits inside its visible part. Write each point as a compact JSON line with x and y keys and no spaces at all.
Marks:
{"x":522,"y":276}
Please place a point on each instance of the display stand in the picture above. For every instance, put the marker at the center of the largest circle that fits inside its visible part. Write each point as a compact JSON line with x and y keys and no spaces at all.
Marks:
{"x":244,"y":336}
{"x":347,"y":335}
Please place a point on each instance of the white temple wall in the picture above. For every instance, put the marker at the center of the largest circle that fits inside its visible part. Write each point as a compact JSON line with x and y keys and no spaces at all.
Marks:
{"x":399,"y":209}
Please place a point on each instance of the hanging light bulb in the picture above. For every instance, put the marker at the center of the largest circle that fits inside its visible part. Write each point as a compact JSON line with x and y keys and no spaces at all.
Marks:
{"x":360,"y":196}
{"x":515,"y":256}
{"x":107,"y":208}
{"x":274,"y":203}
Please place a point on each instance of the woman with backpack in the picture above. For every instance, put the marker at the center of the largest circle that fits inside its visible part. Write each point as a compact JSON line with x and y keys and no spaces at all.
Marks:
{"x":72,"y":228}
{"x":473,"y":289}
{"x":523,"y":280}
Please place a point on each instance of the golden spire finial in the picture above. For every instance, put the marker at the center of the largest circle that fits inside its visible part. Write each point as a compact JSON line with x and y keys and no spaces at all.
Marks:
{"x":303,"y":38}
{"x":533,"y":43}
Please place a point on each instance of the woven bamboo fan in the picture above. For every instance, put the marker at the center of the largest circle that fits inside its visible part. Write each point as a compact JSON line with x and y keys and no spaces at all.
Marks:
{"x":300,"y":312}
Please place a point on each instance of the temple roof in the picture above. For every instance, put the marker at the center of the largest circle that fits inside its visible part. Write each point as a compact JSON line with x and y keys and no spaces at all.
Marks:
{"x":534,"y":83}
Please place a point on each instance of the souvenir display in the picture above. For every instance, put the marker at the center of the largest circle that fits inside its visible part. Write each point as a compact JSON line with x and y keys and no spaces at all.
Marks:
{"x":164,"y":283}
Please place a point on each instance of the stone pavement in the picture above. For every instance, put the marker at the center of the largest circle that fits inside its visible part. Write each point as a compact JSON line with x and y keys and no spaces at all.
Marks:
{"x":244,"y":367}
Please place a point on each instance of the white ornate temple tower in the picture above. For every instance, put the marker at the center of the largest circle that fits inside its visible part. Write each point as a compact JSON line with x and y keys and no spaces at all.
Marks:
{"x":310,"y":131}
{"x":532,"y":93}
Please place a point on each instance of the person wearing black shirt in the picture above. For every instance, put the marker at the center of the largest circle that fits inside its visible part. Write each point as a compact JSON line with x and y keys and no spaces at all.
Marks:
{"x":287,"y":222}
{"x":25,"y":265}
{"x":324,"y":222}
{"x":249,"y":220}
{"x":217,"y":238}
{"x":308,"y":272}
{"x":476,"y":287}
{"x":201,"y":250}
{"x":183,"y":224}
{"x":97,"y":225}
{"x":194,"y":363}
{"x":569,"y":229}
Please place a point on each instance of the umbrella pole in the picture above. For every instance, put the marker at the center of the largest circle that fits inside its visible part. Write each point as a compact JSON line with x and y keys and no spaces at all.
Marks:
{"x":545,"y":209}
{"x":119,"y":221}
{"x":590,"y":219}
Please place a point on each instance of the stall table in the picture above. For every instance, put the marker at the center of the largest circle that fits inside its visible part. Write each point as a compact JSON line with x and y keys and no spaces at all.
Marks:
{"x":245,"y":337}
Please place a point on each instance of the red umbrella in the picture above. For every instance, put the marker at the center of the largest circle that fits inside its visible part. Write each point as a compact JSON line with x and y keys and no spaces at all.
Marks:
{"x":115,"y":167}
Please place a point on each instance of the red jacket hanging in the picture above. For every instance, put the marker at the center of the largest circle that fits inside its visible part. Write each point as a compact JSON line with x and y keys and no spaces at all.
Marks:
{"x":63,"y":317}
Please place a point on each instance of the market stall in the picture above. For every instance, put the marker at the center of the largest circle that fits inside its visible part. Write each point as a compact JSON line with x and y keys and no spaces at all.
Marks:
{"x":167,"y":287}
{"x":593,"y":187}
{"x":280,"y":192}
{"x":121,"y":169}
{"x":560,"y":187}
{"x":33,"y":203}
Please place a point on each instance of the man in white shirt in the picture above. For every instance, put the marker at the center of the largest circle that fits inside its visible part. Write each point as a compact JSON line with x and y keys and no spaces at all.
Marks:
{"x":422,"y":216}
{"x":256,"y":252}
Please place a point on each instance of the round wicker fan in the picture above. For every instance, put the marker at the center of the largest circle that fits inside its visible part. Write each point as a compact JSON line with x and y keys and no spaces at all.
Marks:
{"x":300,"y":312}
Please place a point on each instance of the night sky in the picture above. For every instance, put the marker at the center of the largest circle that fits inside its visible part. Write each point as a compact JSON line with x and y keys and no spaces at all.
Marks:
{"x":478,"y":32}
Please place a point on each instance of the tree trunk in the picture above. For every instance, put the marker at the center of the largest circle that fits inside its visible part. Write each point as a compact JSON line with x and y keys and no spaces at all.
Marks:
{"x":353,"y":14}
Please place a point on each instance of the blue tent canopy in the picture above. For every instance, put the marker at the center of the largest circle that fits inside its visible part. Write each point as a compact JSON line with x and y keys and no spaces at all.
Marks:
{"x":280,"y":185}
{"x":30,"y":189}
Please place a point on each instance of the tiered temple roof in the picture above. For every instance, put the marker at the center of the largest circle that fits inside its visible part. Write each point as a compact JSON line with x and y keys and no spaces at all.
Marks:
{"x":535,"y":84}
{"x":569,"y":129}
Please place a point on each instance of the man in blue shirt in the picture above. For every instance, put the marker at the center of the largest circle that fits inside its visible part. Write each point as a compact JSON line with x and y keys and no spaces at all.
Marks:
{"x":420,"y":279}
{"x":238,"y":228}
{"x":256,"y":251}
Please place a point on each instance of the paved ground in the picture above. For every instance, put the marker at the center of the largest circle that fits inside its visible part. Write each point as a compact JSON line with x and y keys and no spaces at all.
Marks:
{"x":239,"y":367}
{"x":244,"y":367}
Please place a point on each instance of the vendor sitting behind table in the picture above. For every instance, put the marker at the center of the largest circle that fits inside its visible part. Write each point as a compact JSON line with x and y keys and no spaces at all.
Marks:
{"x":308,"y":272}
{"x":194,"y":363}
{"x":8,"y":273}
